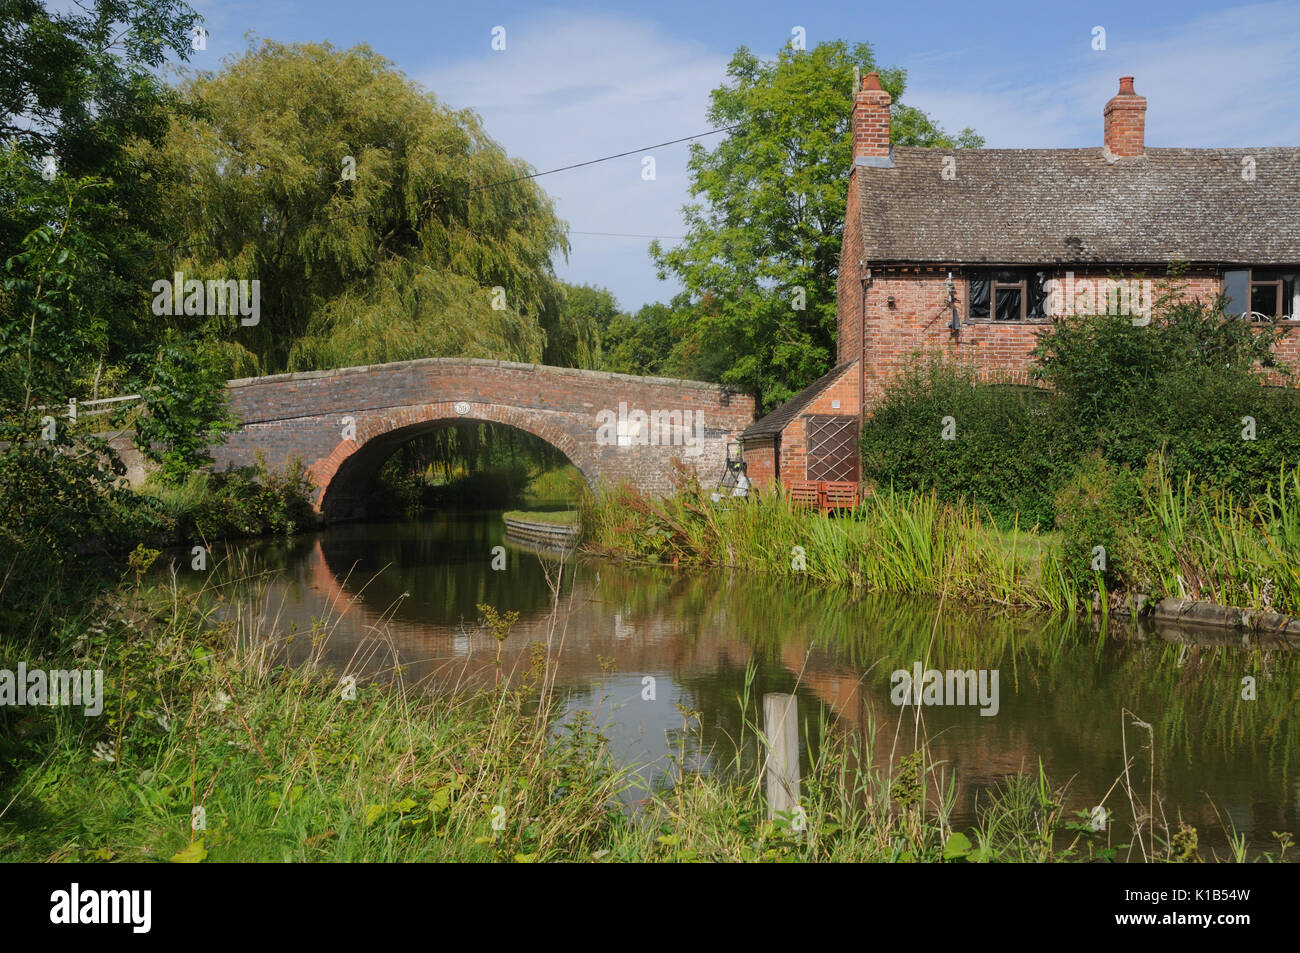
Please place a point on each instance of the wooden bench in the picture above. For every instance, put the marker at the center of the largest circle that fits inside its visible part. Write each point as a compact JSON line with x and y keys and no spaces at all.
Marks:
{"x":839,"y":495}
{"x":823,"y":495}
{"x":805,"y":493}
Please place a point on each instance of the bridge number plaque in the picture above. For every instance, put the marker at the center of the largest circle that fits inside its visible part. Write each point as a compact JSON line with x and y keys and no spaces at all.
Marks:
{"x":461,"y":407}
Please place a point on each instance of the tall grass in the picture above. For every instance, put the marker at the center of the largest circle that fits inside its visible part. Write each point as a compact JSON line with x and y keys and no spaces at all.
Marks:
{"x":1187,"y":541}
{"x":292,"y":763}
{"x":1203,"y":543}
{"x":893,"y":542}
{"x":205,"y":712}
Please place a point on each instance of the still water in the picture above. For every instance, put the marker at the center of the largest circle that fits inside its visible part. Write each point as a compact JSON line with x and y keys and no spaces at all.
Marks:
{"x":380,"y":595}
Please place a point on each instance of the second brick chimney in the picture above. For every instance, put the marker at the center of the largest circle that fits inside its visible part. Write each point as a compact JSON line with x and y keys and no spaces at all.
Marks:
{"x":871,"y":122}
{"x":1126,"y":118}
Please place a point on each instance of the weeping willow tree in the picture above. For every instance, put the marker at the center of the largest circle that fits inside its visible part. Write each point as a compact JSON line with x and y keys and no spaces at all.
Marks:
{"x":468,"y":447}
{"x":381,"y":224}
{"x":471,"y":464}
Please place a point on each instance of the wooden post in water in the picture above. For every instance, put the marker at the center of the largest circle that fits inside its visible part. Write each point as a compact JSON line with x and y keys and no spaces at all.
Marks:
{"x":781,"y":724}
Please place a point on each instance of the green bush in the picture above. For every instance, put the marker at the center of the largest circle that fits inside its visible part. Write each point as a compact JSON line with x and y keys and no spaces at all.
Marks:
{"x":496,"y":487}
{"x":399,"y":491}
{"x":1186,"y":386}
{"x":246,"y":501}
{"x":60,"y":507}
{"x":563,"y":484}
{"x":1180,"y":386}
{"x":1099,"y":505}
{"x":1004,"y":456}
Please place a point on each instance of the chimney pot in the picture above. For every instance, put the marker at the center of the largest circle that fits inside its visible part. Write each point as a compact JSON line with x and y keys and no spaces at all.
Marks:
{"x":1125,"y":122}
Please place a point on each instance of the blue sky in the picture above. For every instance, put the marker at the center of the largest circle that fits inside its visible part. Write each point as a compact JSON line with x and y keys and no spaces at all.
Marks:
{"x":581,"y":80}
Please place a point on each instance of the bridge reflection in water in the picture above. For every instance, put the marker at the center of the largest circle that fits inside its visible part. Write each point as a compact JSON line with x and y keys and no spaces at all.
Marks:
{"x":407,"y":593}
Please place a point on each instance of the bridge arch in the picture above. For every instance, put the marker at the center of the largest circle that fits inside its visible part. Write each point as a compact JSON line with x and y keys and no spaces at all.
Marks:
{"x":343,"y":423}
{"x":346,"y":476}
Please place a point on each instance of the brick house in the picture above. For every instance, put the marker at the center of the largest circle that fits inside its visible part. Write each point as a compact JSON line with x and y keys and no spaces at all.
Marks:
{"x":970,"y":253}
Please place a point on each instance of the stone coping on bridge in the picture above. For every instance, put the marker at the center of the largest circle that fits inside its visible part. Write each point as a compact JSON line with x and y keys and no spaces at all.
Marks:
{"x":483,"y":362}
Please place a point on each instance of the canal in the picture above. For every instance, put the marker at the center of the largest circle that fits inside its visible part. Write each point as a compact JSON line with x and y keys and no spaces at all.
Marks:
{"x":651,"y":652}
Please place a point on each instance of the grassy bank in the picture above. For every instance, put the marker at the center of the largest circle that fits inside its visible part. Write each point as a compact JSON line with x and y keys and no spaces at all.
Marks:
{"x":285,"y":765}
{"x":69,"y":529}
{"x":254,"y":501}
{"x":1165,"y":538}
{"x":894,"y":542}
{"x":557,"y":517}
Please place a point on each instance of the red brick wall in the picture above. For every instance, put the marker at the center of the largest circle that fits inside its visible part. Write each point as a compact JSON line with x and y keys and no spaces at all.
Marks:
{"x":794,"y":452}
{"x":843,"y":389}
{"x":794,"y":440}
{"x":760,"y":461}
{"x":918,"y":324}
{"x":848,"y":287}
{"x":302,"y":416}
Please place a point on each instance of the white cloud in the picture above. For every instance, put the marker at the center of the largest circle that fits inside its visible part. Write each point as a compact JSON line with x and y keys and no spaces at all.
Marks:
{"x":568,"y":89}
{"x":1227,"y":79}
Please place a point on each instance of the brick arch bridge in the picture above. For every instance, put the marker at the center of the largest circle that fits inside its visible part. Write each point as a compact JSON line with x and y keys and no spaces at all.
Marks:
{"x":343,"y":424}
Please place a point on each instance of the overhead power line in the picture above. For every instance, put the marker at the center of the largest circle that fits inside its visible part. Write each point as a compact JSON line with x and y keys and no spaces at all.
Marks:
{"x":519,"y":178}
{"x":620,"y":155}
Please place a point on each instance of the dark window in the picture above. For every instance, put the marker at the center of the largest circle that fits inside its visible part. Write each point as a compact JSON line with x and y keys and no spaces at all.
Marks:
{"x":1273,"y":293}
{"x":1267,"y":292}
{"x":1008,"y":301}
{"x":1266,"y":297}
{"x":979,"y":297}
{"x":1007,"y":295}
{"x":1036,"y":288}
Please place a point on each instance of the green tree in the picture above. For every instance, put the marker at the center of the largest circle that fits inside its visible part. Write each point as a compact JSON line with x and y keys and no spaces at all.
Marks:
{"x":56,"y":481}
{"x":640,"y":343}
{"x":53,"y":321}
{"x":79,"y":90}
{"x":574,"y":338}
{"x":762,"y":250}
{"x":80,"y":104}
{"x":380,"y":224}
{"x":186,"y":406}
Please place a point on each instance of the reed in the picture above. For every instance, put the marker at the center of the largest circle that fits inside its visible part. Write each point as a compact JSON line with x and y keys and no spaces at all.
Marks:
{"x":893,"y":542}
{"x":1187,"y":541}
{"x":1203,"y":543}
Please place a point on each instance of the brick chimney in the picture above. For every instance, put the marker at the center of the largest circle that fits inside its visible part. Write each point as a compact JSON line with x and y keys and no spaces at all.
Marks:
{"x":871,"y":122}
{"x":1126,"y":119}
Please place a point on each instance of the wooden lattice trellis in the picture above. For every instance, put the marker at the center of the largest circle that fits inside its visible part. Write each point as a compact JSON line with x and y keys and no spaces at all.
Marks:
{"x":832,"y":447}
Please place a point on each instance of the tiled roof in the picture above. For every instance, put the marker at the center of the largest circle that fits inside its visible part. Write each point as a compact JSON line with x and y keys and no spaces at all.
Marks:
{"x":1072,"y":206}
{"x":776,"y":421}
